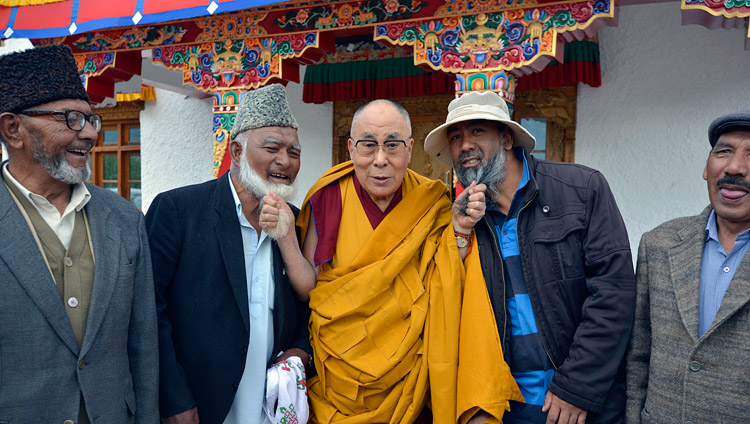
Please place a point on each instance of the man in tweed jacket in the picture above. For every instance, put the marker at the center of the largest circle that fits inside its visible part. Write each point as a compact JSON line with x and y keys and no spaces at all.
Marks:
{"x":690,"y":347}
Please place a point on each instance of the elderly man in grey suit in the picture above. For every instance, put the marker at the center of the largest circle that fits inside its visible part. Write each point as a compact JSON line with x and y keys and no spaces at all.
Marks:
{"x":689,"y":354}
{"x":78,"y":338}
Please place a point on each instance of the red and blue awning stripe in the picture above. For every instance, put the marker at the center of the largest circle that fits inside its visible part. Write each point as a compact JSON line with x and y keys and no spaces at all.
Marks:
{"x":70,"y":17}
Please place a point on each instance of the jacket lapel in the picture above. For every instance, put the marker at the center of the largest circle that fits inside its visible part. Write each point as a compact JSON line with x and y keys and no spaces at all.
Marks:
{"x":685,"y":261}
{"x":27,"y":265}
{"x":229,"y":237}
{"x":106,"y":240}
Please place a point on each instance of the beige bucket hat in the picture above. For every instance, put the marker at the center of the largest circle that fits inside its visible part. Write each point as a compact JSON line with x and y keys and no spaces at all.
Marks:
{"x":475,"y":105}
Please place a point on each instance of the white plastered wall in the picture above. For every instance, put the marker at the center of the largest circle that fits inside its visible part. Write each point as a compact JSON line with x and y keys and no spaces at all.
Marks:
{"x":177,"y":146}
{"x":176,"y":143}
{"x":646,"y":127}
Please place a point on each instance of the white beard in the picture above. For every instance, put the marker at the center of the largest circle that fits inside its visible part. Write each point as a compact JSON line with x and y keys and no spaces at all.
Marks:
{"x":253,"y":183}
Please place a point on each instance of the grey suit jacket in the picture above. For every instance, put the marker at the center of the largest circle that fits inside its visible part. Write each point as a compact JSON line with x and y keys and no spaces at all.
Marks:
{"x":42,"y":370}
{"x":674,"y":376}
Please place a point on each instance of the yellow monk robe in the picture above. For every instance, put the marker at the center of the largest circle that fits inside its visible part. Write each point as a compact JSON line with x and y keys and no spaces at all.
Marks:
{"x":387,"y":321}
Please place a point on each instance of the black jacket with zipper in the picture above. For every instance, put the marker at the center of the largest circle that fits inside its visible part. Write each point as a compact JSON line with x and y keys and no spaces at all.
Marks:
{"x":579,"y":272}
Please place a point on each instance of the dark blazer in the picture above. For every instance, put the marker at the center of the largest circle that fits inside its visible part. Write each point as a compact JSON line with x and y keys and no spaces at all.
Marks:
{"x":201,"y":299}
{"x":42,"y":370}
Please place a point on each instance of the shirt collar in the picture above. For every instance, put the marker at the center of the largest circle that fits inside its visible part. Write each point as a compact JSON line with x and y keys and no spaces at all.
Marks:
{"x":79,"y":197}
{"x":712,"y":231}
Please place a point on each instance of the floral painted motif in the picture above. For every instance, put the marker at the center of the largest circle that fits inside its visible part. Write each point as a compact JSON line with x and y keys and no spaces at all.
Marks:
{"x":496,"y":41}
{"x":94,"y":64}
{"x":463,"y":7}
{"x":239,"y":25}
{"x":133,"y":38}
{"x":233,"y":63}
{"x":348,"y":14}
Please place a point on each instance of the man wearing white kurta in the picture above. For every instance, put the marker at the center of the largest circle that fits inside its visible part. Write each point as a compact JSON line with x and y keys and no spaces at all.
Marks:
{"x":248,"y":401}
{"x":222,"y":273}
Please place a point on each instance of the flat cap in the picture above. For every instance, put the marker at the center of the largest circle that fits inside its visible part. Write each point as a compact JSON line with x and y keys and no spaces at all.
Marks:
{"x":37,"y":76}
{"x":263,"y":107}
{"x":726,"y":123}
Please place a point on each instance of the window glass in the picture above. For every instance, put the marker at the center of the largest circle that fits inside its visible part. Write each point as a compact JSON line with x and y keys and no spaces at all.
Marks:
{"x":134,"y":135}
{"x":538,"y":128}
{"x":110,"y":167}
{"x":109,"y":136}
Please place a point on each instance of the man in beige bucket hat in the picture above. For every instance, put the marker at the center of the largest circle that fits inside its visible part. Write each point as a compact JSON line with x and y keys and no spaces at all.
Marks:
{"x":556,"y":260}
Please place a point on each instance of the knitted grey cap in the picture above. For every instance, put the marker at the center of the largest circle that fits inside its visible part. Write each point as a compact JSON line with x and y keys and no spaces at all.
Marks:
{"x":733,"y":121}
{"x":263,"y":107}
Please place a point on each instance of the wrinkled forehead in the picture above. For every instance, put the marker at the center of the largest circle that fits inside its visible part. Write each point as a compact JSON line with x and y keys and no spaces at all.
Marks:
{"x":380,"y":122}
{"x":66,"y":104}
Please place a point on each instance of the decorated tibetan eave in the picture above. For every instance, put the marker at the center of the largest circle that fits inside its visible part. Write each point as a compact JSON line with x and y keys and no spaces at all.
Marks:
{"x":718,"y":14}
{"x":485,"y":44}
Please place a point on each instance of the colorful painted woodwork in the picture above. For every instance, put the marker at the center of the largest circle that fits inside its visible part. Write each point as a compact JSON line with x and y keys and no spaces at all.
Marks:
{"x":486,"y":43}
{"x":718,"y":14}
{"x":488,"y":50}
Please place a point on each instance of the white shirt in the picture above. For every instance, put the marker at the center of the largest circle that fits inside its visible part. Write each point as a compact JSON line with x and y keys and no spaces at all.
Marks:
{"x":61,"y":224}
{"x":247,"y":407}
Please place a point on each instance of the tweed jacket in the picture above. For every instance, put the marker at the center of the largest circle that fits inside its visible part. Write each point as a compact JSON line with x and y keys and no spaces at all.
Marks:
{"x":42,"y":370}
{"x":201,"y":298}
{"x":673,"y":375}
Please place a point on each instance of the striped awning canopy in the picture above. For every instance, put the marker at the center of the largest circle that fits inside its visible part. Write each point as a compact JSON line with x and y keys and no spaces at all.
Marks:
{"x":55,"y":18}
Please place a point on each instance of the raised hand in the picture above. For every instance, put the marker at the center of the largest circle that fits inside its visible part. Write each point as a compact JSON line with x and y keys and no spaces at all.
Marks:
{"x":276,"y":217}
{"x":469,"y":207}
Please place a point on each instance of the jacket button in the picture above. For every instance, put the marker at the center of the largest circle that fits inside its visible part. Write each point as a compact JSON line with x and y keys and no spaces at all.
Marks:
{"x":68,"y":422}
{"x":234,"y":387}
{"x":545,"y":209}
{"x":81,"y":364}
{"x":695,"y":366}
{"x":244,"y":351}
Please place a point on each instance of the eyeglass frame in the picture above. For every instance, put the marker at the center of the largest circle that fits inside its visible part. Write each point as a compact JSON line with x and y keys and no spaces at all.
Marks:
{"x":66,"y":112}
{"x":379,"y":146}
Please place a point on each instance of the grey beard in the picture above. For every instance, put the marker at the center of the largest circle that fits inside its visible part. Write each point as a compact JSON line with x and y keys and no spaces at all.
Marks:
{"x":56,"y":164}
{"x":253,"y":183}
{"x":490,"y":173}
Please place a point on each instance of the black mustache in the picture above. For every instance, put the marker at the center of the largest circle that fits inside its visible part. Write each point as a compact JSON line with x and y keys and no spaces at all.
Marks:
{"x":733,"y":180}
{"x":471,"y":153}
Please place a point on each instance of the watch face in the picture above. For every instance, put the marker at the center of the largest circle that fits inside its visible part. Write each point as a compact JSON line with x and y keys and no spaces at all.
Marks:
{"x":461,"y":242}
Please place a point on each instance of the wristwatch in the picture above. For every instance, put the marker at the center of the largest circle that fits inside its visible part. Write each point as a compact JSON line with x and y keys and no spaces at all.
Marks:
{"x":462,"y":239}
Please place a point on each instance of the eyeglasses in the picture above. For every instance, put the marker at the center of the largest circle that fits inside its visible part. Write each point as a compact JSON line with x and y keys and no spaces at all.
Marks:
{"x":370,"y":147}
{"x":75,"y":119}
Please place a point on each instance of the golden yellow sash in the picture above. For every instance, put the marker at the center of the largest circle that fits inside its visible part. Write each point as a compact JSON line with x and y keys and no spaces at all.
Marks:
{"x":388,"y":325}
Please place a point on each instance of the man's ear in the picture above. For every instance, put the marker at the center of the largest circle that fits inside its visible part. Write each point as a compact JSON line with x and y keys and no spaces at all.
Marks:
{"x":508,"y":139}
{"x":11,"y":130}
{"x":350,"y":146}
{"x":409,"y":147}
{"x":235,"y":152}
{"x":705,"y":172}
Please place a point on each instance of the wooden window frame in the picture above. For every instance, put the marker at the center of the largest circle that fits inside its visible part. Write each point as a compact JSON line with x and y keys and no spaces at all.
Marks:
{"x":123,"y":117}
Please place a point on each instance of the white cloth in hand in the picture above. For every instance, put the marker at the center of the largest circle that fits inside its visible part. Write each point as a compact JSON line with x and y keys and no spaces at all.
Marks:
{"x":286,"y":393}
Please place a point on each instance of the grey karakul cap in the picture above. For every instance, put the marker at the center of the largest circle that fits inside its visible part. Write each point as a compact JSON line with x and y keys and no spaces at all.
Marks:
{"x":733,"y":121}
{"x":263,"y":107}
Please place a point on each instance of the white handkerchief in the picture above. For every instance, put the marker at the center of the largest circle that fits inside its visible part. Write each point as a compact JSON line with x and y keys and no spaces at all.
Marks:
{"x":286,"y":393}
